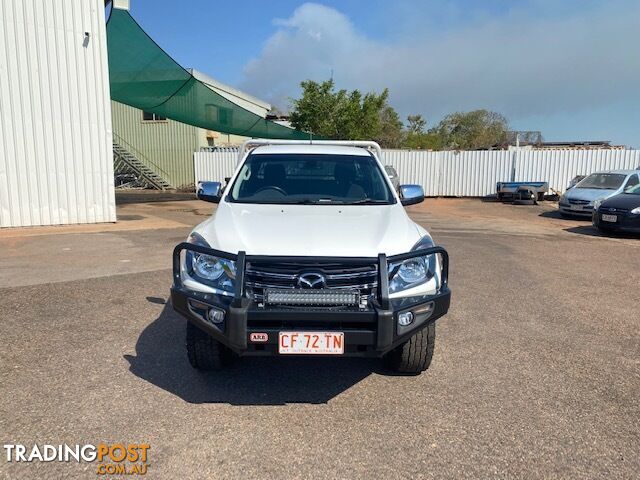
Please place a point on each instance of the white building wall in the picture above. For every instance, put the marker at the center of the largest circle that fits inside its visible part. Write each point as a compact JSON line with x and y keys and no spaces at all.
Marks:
{"x":464,"y":173}
{"x":56,"y":161}
{"x":214,"y":166}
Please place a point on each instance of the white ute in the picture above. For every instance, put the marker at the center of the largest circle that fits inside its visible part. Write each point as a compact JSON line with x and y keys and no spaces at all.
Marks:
{"x":310,"y":252}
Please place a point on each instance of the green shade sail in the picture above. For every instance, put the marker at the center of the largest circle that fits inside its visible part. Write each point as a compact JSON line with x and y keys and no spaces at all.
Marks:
{"x":142,"y":75}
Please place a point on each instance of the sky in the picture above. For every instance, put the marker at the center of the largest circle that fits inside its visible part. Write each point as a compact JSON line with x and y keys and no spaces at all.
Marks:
{"x":568,"y":68}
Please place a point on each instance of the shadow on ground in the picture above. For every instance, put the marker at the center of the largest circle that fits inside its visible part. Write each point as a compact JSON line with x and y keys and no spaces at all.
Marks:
{"x":588,"y":230}
{"x":587,"y":227}
{"x":551,"y":214}
{"x":161,"y":359}
{"x":148,"y":196}
{"x":556,"y":214}
{"x":592,"y":231}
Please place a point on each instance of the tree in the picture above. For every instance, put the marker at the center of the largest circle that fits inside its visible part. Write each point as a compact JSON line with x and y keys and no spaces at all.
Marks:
{"x":416,"y":123}
{"x":325,"y":112}
{"x":391,"y":134}
{"x":416,"y":138}
{"x":339,"y":114}
{"x":315,"y":111}
{"x":479,"y":129}
{"x":423,"y":141}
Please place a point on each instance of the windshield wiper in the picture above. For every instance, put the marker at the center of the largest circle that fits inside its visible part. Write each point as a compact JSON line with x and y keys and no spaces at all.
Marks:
{"x":368,"y":201}
{"x":331,"y":201}
{"x":317,"y":201}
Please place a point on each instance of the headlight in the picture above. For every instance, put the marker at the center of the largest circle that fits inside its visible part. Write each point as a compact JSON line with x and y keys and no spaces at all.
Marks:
{"x":596,"y":204}
{"x":212,"y":268}
{"x":207,"y":269}
{"x":636,"y":211}
{"x":413,"y":271}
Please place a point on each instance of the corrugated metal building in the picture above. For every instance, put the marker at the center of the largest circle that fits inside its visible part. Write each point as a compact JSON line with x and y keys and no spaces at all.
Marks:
{"x":163,"y":145}
{"x":464,"y":173}
{"x":166,"y":146}
{"x":56,"y":161}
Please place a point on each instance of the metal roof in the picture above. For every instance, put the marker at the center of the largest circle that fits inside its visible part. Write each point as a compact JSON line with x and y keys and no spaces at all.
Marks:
{"x":227,"y":91}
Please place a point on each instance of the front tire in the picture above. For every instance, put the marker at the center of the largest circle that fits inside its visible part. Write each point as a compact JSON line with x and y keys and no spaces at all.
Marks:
{"x":414,"y":356}
{"x":204,"y":352}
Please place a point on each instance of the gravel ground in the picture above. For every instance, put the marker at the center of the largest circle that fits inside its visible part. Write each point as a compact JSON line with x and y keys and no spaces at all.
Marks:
{"x":536,"y":372}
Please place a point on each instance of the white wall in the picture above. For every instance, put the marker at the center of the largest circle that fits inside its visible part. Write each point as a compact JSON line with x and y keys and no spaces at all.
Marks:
{"x":214,"y":166}
{"x":464,"y":173}
{"x":56,"y":162}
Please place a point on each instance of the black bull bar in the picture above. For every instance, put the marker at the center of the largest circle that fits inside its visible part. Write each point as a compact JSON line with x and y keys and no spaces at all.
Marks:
{"x":239,"y":306}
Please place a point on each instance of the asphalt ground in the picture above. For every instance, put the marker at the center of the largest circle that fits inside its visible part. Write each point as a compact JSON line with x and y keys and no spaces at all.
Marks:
{"x":536,"y":372}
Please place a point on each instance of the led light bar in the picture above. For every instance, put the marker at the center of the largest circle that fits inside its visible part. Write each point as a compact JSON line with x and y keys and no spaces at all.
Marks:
{"x":322,"y":296}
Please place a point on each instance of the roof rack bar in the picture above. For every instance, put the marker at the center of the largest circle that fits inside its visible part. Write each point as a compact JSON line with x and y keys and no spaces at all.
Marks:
{"x":257,"y":142}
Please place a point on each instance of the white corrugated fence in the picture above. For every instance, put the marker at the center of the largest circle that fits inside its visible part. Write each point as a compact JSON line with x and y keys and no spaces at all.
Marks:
{"x":464,"y":173}
{"x":216,"y":165}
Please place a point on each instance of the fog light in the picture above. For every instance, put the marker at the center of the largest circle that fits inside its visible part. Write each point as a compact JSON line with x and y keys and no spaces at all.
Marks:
{"x":319,"y":297}
{"x":215,"y":315}
{"x":405,"y":319}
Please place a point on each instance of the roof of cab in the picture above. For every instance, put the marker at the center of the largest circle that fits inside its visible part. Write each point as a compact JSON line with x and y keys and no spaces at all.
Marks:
{"x":311,"y":149}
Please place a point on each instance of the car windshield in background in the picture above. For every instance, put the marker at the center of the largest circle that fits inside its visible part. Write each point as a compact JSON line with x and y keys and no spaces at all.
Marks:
{"x":604,"y":181}
{"x":311,"y":179}
{"x":635,"y":190}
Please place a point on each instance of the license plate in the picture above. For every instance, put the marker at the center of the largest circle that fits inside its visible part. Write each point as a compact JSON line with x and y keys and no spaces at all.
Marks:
{"x":609,"y":218}
{"x":311,"y":343}
{"x":576,"y":207}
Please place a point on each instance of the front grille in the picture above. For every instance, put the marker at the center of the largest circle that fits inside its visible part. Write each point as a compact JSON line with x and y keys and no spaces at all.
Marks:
{"x":360,"y":278}
{"x":578,"y":202}
{"x":613,"y":210}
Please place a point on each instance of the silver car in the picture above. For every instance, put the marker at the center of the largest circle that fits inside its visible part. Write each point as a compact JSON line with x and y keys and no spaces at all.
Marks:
{"x":579,"y":199}
{"x":393,"y":176}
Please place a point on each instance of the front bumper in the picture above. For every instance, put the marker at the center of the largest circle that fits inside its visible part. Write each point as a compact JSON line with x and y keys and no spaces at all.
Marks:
{"x":625,"y":221}
{"x":585,"y":209}
{"x":368,"y":332}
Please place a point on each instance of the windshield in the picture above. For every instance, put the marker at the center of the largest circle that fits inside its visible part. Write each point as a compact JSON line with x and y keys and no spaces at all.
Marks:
{"x":603,"y":181}
{"x":311,"y":179}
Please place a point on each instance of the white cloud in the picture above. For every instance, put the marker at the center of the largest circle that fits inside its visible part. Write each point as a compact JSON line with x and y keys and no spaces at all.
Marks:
{"x":520,"y":63}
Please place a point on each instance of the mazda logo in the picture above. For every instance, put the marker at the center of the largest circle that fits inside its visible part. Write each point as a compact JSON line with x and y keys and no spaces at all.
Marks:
{"x":311,"y":280}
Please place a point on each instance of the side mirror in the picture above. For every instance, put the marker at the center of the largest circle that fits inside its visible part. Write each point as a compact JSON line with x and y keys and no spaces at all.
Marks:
{"x":411,"y":194}
{"x":209,"y":191}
